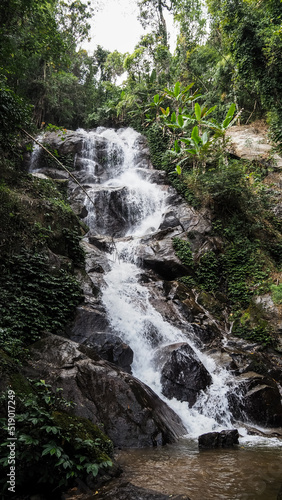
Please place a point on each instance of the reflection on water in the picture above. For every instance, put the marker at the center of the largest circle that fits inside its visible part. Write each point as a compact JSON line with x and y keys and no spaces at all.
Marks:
{"x":243,"y":473}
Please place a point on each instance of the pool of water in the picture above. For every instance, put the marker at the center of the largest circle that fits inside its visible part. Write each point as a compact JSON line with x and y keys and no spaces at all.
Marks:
{"x":251,"y":471}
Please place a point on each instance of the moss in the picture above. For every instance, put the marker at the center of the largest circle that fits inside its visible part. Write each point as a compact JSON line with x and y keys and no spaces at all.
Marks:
{"x":276,"y":293}
{"x":212,"y":304}
{"x":20,"y":384}
{"x":82,"y":429}
{"x":251,"y":324}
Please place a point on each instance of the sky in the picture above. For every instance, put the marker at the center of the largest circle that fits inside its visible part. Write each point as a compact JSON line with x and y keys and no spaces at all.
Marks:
{"x":115,"y":26}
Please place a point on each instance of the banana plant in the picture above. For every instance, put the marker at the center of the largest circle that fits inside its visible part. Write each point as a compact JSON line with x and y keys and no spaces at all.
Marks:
{"x":220,"y":129}
{"x":197,"y":147}
{"x":179,"y":94}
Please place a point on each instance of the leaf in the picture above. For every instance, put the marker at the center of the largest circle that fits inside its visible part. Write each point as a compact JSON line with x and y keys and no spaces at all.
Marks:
{"x":198,"y":111}
{"x":173,"y":117}
{"x":188,"y":88}
{"x":156,"y":98}
{"x":209,"y":111}
{"x":176,"y":89}
{"x":231,"y":110}
{"x":205,"y":137}
{"x":153,"y":76}
{"x":176,"y":146}
{"x":180,"y":121}
{"x":178,"y":169}
{"x":186,"y":141}
{"x":195,"y":135}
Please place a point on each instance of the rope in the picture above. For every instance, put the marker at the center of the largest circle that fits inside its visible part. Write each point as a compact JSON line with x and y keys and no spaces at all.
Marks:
{"x":59,"y":163}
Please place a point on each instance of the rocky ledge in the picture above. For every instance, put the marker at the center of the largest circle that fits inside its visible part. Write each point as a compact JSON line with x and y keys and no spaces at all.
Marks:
{"x":131,"y":414}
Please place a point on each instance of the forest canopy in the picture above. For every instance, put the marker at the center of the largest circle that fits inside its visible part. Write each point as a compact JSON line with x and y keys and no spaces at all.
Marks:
{"x":230,"y":49}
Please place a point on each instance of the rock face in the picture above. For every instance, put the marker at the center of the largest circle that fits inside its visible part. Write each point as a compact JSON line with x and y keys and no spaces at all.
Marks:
{"x":111,"y":348}
{"x":131,"y":413}
{"x":183,"y":375}
{"x":223,"y":439}
{"x":259,"y":401}
{"x":252,"y":143}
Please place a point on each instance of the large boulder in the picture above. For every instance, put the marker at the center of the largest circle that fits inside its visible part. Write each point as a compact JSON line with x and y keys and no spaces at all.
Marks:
{"x":132,"y":415}
{"x":259,"y":401}
{"x":183,"y":376}
{"x":111,"y":348}
{"x":157,"y":253}
{"x":88,"y":320}
{"x":223,"y":439}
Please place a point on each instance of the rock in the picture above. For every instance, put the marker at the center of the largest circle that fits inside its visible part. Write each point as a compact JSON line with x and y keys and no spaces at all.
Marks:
{"x":127,"y":491}
{"x":95,"y":259}
{"x":88,"y":320}
{"x":132,"y":415}
{"x":183,"y":376}
{"x":152,"y":334}
{"x":111,"y":348}
{"x":259,"y":401}
{"x":223,"y":439}
{"x":251,"y":142}
{"x":170,"y":220}
{"x":158,"y":254}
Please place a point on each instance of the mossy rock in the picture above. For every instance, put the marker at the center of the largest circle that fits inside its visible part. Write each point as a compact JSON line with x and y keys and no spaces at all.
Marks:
{"x":213,"y":303}
{"x":20,"y":384}
{"x":81,"y":428}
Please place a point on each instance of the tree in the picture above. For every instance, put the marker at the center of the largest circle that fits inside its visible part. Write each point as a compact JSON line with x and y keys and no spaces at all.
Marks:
{"x":152,"y":12}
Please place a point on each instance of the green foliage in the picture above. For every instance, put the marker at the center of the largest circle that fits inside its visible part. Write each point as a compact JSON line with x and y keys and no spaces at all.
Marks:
{"x":276,"y":292}
{"x":183,"y":251}
{"x":53,"y":448}
{"x":189,"y":140}
{"x":208,"y":272}
{"x":15,"y":113}
{"x":34,"y":298}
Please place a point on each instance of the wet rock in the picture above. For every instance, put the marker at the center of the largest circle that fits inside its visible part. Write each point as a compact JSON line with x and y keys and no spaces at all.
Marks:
{"x":131,"y":413}
{"x":259,"y":401}
{"x":68,"y":142}
{"x":127,"y":491}
{"x":158,"y":254}
{"x":88,"y":320}
{"x":111,"y":348}
{"x":279,"y":496}
{"x":152,"y":334}
{"x":156,"y":176}
{"x":223,"y":439}
{"x":95,"y":259}
{"x":112,"y":213}
{"x":105,"y":243}
{"x":183,"y":376}
{"x":170,"y":220}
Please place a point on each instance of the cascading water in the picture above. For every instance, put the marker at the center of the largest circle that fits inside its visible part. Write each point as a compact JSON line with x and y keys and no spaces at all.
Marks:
{"x":127,"y":301}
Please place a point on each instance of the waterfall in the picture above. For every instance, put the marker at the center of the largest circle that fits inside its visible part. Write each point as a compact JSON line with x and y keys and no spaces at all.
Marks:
{"x":131,"y":206}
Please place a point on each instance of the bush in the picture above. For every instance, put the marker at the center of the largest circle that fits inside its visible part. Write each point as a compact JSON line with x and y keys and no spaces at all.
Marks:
{"x":33,"y":299}
{"x":53,"y":448}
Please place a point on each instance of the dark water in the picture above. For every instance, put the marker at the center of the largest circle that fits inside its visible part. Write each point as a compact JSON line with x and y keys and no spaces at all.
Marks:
{"x":248,"y":472}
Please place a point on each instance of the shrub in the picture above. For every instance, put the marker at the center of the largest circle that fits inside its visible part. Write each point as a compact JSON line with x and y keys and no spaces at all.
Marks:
{"x":53,"y":448}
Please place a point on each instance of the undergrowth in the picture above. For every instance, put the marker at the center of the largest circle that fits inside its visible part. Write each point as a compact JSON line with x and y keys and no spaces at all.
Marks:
{"x":53,"y":447}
